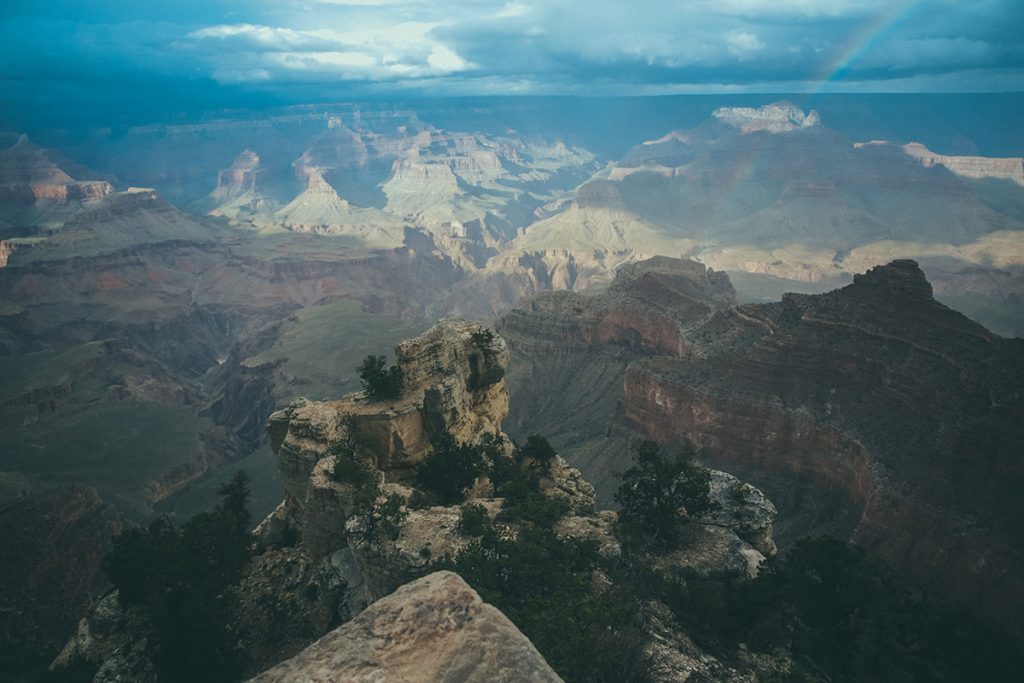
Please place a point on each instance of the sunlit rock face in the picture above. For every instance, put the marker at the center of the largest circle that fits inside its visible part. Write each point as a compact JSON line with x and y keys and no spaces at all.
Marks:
{"x":1005,"y":168}
{"x":434,"y":629}
{"x":27,"y":175}
{"x":453,"y":382}
{"x":780,"y":117}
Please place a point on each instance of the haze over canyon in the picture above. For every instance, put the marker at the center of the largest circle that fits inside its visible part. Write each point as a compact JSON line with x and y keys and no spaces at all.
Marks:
{"x":822,"y":295}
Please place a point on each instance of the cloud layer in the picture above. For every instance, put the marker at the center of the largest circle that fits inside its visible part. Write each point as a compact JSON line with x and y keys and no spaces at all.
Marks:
{"x":340,"y":48}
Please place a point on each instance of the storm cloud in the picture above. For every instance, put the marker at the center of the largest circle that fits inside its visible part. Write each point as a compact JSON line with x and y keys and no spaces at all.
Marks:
{"x":293,"y":50}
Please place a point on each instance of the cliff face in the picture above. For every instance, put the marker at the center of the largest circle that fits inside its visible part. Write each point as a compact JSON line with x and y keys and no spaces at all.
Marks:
{"x":570,"y":352}
{"x":872,"y":412}
{"x":1007,"y":168}
{"x":453,"y":381}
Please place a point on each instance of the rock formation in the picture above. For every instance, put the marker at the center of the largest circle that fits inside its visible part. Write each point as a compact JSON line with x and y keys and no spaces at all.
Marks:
{"x":27,"y":174}
{"x":320,"y":210}
{"x":779,"y":117}
{"x":872,"y":412}
{"x":239,"y":192}
{"x":453,"y":382}
{"x":1008,"y":168}
{"x":36,"y":194}
{"x":318,"y":563}
{"x":433,"y":629}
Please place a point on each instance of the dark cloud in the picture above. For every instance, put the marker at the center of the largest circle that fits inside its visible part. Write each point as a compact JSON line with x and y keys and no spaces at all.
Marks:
{"x":221,"y":50}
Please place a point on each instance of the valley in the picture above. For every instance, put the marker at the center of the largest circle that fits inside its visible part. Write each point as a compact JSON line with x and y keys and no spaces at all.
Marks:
{"x":831,"y":314}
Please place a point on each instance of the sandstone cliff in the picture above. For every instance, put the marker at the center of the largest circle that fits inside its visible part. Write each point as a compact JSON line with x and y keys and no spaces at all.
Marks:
{"x":1008,"y":168}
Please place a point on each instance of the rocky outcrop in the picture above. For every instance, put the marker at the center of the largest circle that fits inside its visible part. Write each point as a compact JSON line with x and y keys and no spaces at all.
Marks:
{"x":6,"y":249}
{"x":111,"y":641}
{"x":1008,"y":168}
{"x":866,"y":412}
{"x":434,"y":629}
{"x":239,"y":178}
{"x":27,"y":175}
{"x":288,"y":598}
{"x":239,"y":193}
{"x":778,"y":117}
{"x":453,"y":382}
{"x":319,"y":210}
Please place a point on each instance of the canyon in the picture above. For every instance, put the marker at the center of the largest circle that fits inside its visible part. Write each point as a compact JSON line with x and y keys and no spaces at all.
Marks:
{"x":873,"y":412}
{"x":165,"y":289}
{"x":375,"y":602}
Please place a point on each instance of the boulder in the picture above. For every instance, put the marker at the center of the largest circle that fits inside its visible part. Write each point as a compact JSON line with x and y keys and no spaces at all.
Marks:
{"x":436,"y":628}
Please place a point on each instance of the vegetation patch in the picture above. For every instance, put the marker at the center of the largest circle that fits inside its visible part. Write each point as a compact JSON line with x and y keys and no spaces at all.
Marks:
{"x":180,"y":579}
{"x":379,"y":382}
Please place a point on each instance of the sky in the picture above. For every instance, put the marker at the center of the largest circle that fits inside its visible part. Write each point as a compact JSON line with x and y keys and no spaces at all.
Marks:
{"x":217,"y":53}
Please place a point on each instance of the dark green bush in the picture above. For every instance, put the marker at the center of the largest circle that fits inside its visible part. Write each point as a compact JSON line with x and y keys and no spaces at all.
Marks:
{"x":451,"y":468}
{"x":380,"y":383}
{"x":380,"y":519}
{"x":473,"y":520}
{"x":538,"y":450}
{"x":844,"y":617}
{"x":545,"y":586}
{"x":661,"y":492}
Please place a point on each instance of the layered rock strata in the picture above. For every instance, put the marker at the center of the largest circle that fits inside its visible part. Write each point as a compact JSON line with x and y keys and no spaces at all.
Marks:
{"x":872,"y":412}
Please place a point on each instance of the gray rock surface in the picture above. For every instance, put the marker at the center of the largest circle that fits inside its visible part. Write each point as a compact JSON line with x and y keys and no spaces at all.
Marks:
{"x":744,"y":509}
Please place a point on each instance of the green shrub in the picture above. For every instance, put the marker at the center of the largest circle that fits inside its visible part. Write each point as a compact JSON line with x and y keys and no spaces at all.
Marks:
{"x":383,"y":520}
{"x":482,"y":338}
{"x":378,"y":382}
{"x":535,"y":508}
{"x":451,"y":468}
{"x":538,"y":450}
{"x":545,"y":586}
{"x":519,"y":485}
{"x":474,"y":520}
{"x":661,"y":492}
{"x":380,"y":519}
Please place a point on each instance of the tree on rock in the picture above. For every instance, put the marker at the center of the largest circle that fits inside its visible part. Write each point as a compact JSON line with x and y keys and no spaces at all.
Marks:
{"x":379,"y":382}
{"x":452,"y":467}
{"x":661,"y":492}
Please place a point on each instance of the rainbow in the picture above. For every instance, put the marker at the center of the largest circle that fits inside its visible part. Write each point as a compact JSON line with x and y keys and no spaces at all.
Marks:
{"x":862,"y":40}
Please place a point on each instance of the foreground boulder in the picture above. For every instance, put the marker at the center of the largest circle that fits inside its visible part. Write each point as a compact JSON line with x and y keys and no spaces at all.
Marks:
{"x":434,"y":629}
